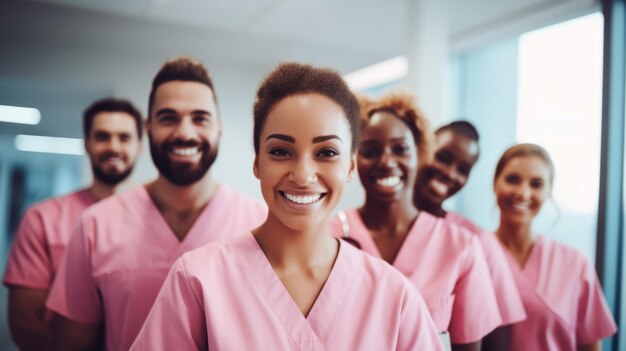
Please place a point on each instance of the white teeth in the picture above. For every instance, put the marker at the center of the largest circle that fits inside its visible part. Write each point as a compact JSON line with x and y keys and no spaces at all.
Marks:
{"x":187,"y":151}
{"x":389,"y":181}
{"x":303,"y":200}
{"x":520,"y":206}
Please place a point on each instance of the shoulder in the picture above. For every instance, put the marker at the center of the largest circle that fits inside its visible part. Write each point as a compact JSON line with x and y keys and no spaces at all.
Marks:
{"x":561,"y":255}
{"x":215,"y":255}
{"x":116,"y":204}
{"x":377,"y":272}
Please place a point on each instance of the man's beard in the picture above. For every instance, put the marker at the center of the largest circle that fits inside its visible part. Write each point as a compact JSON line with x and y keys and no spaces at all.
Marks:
{"x":110,"y":178}
{"x":182,"y":174}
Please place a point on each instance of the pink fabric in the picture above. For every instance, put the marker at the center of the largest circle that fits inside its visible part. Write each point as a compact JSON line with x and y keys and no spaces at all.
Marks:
{"x":118,"y":259}
{"x":563,"y":300}
{"x":41,"y":239}
{"x":509,"y":300}
{"x":228,"y":297}
{"x":447,"y":265}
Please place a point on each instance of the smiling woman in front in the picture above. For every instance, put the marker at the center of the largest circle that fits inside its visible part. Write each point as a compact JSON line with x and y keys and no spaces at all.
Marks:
{"x":290,"y":285}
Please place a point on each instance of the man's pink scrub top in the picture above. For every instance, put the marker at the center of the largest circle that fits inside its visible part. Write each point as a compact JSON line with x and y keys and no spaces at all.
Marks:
{"x":509,"y":300}
{"x":449,"y":269}
{"x":116,"y":262}
{"x":42,"y":238}
{"x":563,"y":300}
{"x":227,"y":297}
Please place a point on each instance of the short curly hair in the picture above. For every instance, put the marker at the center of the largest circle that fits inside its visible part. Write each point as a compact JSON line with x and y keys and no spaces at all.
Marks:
{"x":292,"y":78}
{"x":404,"y":106}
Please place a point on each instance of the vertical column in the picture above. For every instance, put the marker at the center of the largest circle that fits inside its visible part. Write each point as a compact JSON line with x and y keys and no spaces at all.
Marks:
{"x":428,"y":56}
{"x":609,"y":257}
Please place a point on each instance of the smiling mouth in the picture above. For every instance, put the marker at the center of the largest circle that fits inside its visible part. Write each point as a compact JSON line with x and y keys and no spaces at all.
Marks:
{"x":388,"y":182}
{"x":439,"y":187}
{"x":303,"y":199}
{"x":520,"y":206}
{"x":185,"y":151}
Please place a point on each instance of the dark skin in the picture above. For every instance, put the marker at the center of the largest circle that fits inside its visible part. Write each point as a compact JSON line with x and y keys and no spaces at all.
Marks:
{"x":454,"y":157}
{"x":387,"y":164}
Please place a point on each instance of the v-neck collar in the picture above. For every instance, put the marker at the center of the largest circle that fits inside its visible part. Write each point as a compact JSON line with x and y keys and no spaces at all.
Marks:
{"x":202,"y":224}
{"x":315,"y":327}
{"x":405,"y":258}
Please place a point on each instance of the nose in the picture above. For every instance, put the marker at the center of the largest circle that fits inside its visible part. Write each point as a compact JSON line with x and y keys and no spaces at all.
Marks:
{"x":115,"y":144}
{"x":186,"y":129}
{"x":304,"y":172}
{"x":387,"y":160}
{"x":523,"y":191}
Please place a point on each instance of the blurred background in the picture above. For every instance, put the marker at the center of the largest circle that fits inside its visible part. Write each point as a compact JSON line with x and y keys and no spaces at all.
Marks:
{"x":541,"y":71}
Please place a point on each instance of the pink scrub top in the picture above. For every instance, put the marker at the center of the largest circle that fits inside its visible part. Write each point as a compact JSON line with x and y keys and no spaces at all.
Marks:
{"x":563,"y":300}
{"x":448,"y":267}
{"x":227,"y":297}
{"x":41,"y":239}
{"x":116,"y":262}
{"x":509,"y":300}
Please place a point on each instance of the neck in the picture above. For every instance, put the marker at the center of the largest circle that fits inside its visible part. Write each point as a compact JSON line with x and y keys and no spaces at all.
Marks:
{"x":397,"y":216}
{"x":516,"y":237}
{"x":100,"y":190}
{"x":296,"y":249}
{"x":430,"y":207}
{"x":182,"y":198}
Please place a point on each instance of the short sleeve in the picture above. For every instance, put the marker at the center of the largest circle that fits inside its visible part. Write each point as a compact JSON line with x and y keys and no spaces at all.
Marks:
{"x":475,"y":310}
{"x":74,"y":293}
{"x":179,"y":312}
{"x":417,"y":329}
{"x":594,"y":321}
{"x":509,"y":301}
{"x":29,"y":264}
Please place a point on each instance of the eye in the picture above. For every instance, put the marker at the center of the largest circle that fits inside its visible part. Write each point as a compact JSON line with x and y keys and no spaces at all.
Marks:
{"x":537,"y":183}
{"x":167,"y":118}
{"x":400,"y":149}
{"x":279,"y":152}
{"x":463,"y":170}
{"x":369,"y":151}
{"x":201,"y":119}
{"x":443,"y":157}
{"x":512,"y":179}
{"x":125,"y":137}
{"x":101,"y":137}
{"x":328,"y":153}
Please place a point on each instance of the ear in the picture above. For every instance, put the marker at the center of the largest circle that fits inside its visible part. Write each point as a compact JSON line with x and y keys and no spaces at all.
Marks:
{"x":147,"y":124}
{"x":255,"y":167}
{"x":352,"y":169}
{"x":86,"y":145}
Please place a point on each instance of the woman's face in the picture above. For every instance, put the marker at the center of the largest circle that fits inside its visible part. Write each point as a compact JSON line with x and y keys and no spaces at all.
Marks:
{"x":387,"y":159}
{"x":455,"y":155}
{"x":304,"y":159}
{"x":521,"y":188}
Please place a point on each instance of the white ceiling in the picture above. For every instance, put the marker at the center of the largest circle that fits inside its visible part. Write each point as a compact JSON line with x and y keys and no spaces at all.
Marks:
{"x":85,"y":47}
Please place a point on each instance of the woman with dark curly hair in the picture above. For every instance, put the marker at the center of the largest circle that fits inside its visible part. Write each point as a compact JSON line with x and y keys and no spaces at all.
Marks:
{"x":442,"y":260}
{"x":290,"y":285}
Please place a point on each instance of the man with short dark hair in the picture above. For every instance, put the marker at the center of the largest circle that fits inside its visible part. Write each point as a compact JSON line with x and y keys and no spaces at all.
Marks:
{"x":112,"y":132}
{"x":124,"y":247}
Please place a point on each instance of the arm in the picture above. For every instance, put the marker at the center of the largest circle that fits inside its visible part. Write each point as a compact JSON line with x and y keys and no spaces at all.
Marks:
{"x":27,"y":309}
{"x":474,"y":346}
{"x":70,"y":335}
{"x":499,"y":339}
{"x":177,"y":310}
{"x":596,"y":346}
